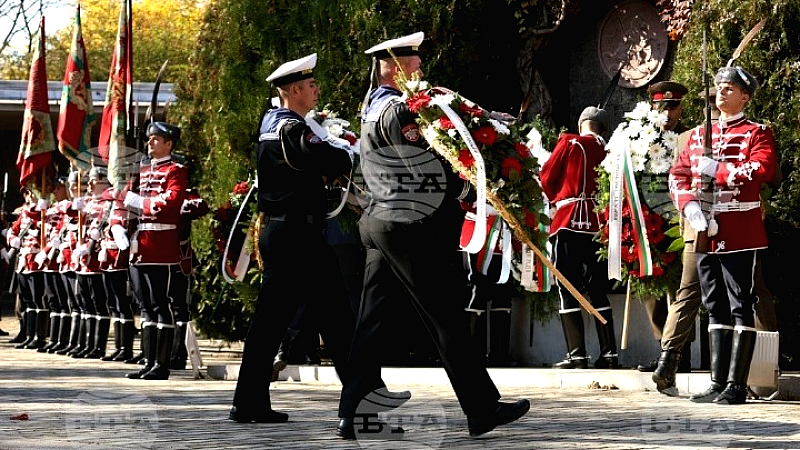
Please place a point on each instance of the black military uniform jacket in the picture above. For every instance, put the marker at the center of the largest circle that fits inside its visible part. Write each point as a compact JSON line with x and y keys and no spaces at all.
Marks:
{"x":293,"y":166}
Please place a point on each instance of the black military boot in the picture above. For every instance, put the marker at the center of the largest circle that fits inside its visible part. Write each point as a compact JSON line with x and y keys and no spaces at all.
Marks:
{"x":126,"y":341}
{"x":81,"y":336}
{"x":74,"y":335}
{"x":91,"y":335}
{"x":179,"y":354}
{"x":719,"y":346}
{"x":30,"y":328}
{"x":22,"y":335}
{"x":165,"y":340}
{"x":40,"y":330}
{"x":117,"y":342}
{"x":101,"y":339}
{"x":64,"y":329}
{"x":572,"y":324}
{"x":744,"y":344}
{"x":55,"y":326}
{"x":664,"y":375}
{"x":608,"y":342}
{"x":148,"y":352}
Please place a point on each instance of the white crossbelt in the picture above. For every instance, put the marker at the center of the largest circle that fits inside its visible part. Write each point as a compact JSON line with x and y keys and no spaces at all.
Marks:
{"x":152,"y":226}
{"x":735,"y":206}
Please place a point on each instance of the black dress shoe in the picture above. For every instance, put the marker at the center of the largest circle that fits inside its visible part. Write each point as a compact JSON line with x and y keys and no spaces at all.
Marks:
{"x":734,"y":394}
{"x":649,"y":367}
{"x":268,"y":416}
{"x":345,"y":429}
{"x":504,"y":413}
{"x":572,"y":363}
{"x":607,"y":362}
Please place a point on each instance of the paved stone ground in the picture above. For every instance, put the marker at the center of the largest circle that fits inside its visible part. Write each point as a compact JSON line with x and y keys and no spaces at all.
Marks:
{"x":88,"y":404}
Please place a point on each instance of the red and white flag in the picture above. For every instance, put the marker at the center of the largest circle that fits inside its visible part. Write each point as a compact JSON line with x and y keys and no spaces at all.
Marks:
{"x":37,"y":130}
{"x":119,"y":96}
{"x":76,"y":117}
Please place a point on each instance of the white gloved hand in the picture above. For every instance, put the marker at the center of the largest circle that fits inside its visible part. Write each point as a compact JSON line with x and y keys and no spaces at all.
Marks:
{"x":707,"y":166}
{"x":78,"y":204}
{"x":15,"y":242}
{"x":343,"y":144}
{"x":40,"y":258}
{"x":42,"y":205}
{"x":94,"y":234}
{"x":80,"y":252}
{"x":120,"y":237}
{"x":695,"y":216}
{"x":55,"y":242}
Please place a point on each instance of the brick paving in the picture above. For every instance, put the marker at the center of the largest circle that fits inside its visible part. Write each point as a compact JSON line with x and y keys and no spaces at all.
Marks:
{"x":88,"y":404}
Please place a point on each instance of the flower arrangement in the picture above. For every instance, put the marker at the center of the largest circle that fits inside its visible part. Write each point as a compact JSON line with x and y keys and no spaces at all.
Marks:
{"x":336,"y":126}
{"x":509,"y":168}
{"x":641,"y":151}
{"x":225,"y":220}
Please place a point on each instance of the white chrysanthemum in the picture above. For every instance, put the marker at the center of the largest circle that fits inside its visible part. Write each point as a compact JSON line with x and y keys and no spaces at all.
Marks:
{"x":499,"y":127}
{"x":452,"y":133}
{"x":412,"y":85}
{"x":429,"y":133}
{"x":608,"y":162}
{"x":423,"y":85}
{"x":618,"y":142}
{"x":649,"y":133}
{"x":639,"y":112}
{"x":669,"y":139}
{"x":634,"y":128}
{"x":335,"y":129}
{"x":659,"y":165}
{"x":638,"y":163}
{"x":657,"y":150}
{"x":445,"y":99}
{"x":640,"y":148}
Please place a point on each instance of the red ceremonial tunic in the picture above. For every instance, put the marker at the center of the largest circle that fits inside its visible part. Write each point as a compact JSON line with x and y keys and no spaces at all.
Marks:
{"x":94,"y":213}
{"x":747,"y":159}
{"x":69,"y":241}
{"x":162,"y":189}
{"x":111,"y":257}
{"x":30,"y":245}
{"x":53,"y":226}
{"x":569,"y":180}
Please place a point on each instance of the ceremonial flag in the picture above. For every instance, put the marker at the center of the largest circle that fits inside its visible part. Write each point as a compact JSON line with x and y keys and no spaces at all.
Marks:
{"x":37,"y":130}
{"x":119,"y":95}
{"x":77,"y":112}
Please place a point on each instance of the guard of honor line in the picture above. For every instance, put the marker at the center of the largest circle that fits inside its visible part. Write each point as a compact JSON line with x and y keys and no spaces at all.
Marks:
{"x":77,"y":254}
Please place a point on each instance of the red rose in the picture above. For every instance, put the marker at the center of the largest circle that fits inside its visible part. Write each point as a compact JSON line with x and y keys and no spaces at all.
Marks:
{"x":419,"y":101}
{"x":522,"y":150}
{"x":668,"y":257}
{"x":350,"y":137}
{"x":474,"y":111}
{"x":485,"y":135}
{"x":531,"y":219}
{"x":445,"y":123}
{"x":465,"y":157}
{"x":658,"y":270}
{"x":629,"y":254}
{"x":241,"y":188}
{"x":510,"y":165}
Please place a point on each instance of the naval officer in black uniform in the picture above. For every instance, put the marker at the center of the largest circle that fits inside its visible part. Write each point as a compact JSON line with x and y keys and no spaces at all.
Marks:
{"x":406,"y":259}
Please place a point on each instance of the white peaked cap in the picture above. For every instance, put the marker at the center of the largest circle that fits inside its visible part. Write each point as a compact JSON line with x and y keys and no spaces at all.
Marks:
{"x":292,"y":71}
{"x":402,"y":46}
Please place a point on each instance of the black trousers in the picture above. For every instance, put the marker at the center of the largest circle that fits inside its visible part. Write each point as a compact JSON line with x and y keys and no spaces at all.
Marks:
{"x":119,"y":302}
{"x":92,"y":293}
{"x":299,"y":267}
{"x":180,"y":296}
{"x":575,"y":256}
{"x":32,"y":290}
{"x":727,"y":282}
{"x":69,"y":282}
{"x":151,"y":287}
{"x":406,"y":262}
{"x":55,"y":292}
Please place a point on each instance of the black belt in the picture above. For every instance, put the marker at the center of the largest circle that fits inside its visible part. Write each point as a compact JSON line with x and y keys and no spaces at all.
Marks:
{"x":308,"y":218}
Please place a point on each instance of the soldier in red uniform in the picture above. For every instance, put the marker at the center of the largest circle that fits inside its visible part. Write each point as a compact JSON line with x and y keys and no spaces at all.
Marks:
{"x":742,"y":157}
{"x":24,"y":236}
{"x":194,"y":207}
{"x":570,"y":182}
{"x":55,"y":291}
{"x":155,"y":246}
{"x":114,"y":260}
{"x":91,"y":289}
{"x":67,"y":267}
